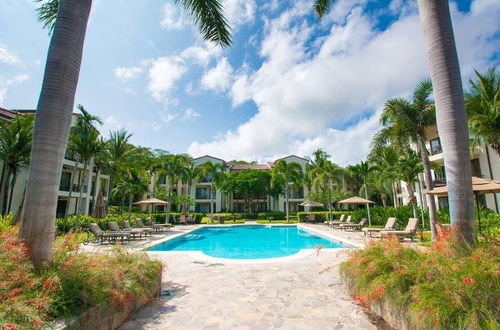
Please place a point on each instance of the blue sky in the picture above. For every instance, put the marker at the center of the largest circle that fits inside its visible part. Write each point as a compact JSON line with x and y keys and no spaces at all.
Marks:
{"x":288,"y":85}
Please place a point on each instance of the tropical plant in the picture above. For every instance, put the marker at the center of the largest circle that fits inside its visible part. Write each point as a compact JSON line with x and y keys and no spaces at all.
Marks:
{"x":287,"y":173}
{"x":212,"y":172}
{"x":451,"y":116}
{"x":408,"y":168}
{"x":325,"y":173}
{"x":363,"y":171}
{"x":482,"y":101}
{"x":385,"y":159}
{"x":15,"y":149}
{"x":136,"y":184}
{"x":67,"y":20}
{"x":249,"y":185}
{"x":173,"y":167}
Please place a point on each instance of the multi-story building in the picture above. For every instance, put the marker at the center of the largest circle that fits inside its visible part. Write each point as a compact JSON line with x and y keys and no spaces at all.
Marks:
{"x":70,"y":178}
{"x":485,"y":163}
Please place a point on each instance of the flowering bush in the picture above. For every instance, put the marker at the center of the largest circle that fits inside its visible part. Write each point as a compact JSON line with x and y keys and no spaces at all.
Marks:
{"x":73,"y":282}
{"x":443,"y":287}
{"x":6,"y":223}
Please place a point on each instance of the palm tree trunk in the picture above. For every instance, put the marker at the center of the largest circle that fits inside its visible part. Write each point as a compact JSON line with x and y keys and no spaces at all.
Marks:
{"x":286,"y":201}
{"x":383,"y":197}
{"x":368,"y":207}
{"x":111,"y":186}
{"x":4,"y":166}
{"x":411,"y":196}
{"x":450,"y":114}
{"x":83,"y":177}
{"x":429,"y":185}
{"x":330,"y":214}
{"x":169,"y":205}
{"x":394,"y":194}
{"x":94,"y":194}
{"x":5,"y":186}
{"x":130,"y":200}
{"x":12,"y":186}
{"x":70,"y":193}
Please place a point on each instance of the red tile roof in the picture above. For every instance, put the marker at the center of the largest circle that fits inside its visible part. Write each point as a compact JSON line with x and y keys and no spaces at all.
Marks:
{"x":7,"y":114}
{"x":240,"y":167}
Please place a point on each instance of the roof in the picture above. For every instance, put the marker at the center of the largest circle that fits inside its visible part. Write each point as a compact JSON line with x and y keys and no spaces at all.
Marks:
{"x":7,"y":114}
{"x":33,"y":111}
{"x":240,"y":167}
{"x":208,"y":157}
{"x":289,"y":156}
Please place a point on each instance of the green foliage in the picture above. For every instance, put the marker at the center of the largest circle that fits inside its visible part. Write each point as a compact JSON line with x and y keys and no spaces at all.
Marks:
{"x":443,"y":287}
{"x":322,"y":216}
{"x":249,"y":184}
{"x":380,"y":214}
{"x":6,"y":224}
{"x":71,"y":284}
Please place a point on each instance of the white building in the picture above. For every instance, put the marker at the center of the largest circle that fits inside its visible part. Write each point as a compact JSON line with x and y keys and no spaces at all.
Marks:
{"x":485,"y":163}
{"x":70,"y":177}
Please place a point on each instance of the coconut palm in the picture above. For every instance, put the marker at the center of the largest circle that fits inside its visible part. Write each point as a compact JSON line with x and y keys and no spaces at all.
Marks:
{"x":287,"y":173}
{"x":191,"y":174}
{"x":408,"y":169}
{"x":174,"y":168}
{"x":444,"y":68}
{"x":15,"y":149}
{"x":136,"y":184}
{"x":363,"y":171}
{"x":324,"y":177}
{"x":406,"y":120}
{"x":212,"y":171}
{"x":101,"y":164}
{"x":483,"y":108}
{"x":68,"y":20}
{"x":385,"y":159}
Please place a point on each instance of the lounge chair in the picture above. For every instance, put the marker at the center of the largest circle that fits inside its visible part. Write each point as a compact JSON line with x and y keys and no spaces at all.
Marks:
{"x":335,"y":223}
{"x":161,"y":226}
{"x":410,"y":230}
{"x":389,"y":226}
{"x":113,"y":226}
{"x":110,"y":237}
{"x":190,"y":219}
{"x":354,"y":226}
{"x":140,"y":224}
{"x":338,"y":223}
{"x":145,"y":231}
{"x":311,"y":217}
{"x":182,"y":219}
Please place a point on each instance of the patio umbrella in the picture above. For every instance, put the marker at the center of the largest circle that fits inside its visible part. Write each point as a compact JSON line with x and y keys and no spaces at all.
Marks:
{"x":359,"y":200}
{"x":311,"y":204}
{"x":99,"y":210}
{"x":480,"y":186}
{"x":152,"y":202}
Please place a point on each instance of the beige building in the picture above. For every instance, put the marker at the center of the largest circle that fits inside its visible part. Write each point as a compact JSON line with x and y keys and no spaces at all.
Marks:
{"x":485,"y":163}
{"x":70,"y":177}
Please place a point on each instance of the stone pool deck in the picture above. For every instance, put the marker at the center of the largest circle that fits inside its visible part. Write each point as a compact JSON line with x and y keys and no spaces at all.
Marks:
{"x":305,"y":293}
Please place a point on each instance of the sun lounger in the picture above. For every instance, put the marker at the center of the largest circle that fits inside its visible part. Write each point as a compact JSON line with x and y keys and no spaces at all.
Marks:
{"x":311,"y":217}
{"x":389,"y":226}
{"x":182,"y":219}
{"x":336,"y":223}
{"x":145,"y":231}
{"x":158,"y":226}
{"x":140,"y":224}
{"x":190,"y":219}
{"x":410,"y":230}
{"x":110,"y":237}
{"x":113,"y":226}
{"x":354,"y":226}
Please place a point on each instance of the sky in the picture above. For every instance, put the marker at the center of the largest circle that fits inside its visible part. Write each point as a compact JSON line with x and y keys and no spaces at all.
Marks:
{"x":290,"y":84}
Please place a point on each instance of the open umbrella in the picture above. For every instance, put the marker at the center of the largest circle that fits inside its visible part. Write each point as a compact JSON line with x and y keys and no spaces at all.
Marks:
{"x":99,"y":210}
{"x":480,"y":186}
{"x":359,"y":200}
{"x":152,"y":202}
{"x":310,"y":203}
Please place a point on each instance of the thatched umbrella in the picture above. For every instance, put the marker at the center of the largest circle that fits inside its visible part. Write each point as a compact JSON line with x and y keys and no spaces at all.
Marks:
{"x":480,"y":186}
{"x":359,"y":200}
{"x":99,"y":210}
{"x":152,"y":202}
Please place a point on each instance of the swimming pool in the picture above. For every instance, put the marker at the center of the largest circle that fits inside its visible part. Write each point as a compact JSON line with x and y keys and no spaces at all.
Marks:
{"x":247,"y":242}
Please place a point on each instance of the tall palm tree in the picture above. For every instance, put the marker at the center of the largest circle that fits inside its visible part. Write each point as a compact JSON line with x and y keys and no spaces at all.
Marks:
{"x":408,"y":169}
{"x":68,"y":20}
{"x":407,"y":120}
{"x":15,"y":149}
{"x":385,"y":159}
{"x":191,"y":174}
{"x":101,"y":163}
{"x":363,"y":170}
{"x":136,"y":184}
{"x":444,"y":68}
{"x":213,"y":171}
{"x":289,"y":173}
{"x":174,"y":168}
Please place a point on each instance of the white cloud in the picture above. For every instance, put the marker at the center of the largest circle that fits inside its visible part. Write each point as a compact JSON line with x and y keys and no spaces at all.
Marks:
{"x":302,"y":91}
{"x":112,"y":123}
{"x":239,"y":12}
{"x":6,"y":83}
{"x":7,"y":56}
{"x":127,"y":73}
{"x":168,"y":117}
{"x":218,"y":78}
{"x":173,"y":17}
{"x":163,"y":73}
{"x":201,"y":54}
{"x":190,"y":114}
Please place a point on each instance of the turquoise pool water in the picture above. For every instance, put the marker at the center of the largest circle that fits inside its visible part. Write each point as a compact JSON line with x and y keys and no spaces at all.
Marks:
{"x":247,"y":242}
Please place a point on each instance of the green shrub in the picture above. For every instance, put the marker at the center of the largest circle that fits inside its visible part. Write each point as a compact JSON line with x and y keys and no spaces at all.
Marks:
{"x":443,"y":287}
{"x":322,"y":216}
{"x":6,"y":223}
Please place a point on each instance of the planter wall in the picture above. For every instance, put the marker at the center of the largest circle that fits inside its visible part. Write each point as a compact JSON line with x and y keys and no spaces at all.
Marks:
{"x":103,"y":317}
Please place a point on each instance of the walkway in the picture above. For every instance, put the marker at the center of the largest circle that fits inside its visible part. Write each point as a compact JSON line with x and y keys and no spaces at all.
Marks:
{"x":299,"y":294}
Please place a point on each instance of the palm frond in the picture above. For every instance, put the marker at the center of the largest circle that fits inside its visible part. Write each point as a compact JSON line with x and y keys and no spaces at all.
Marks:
{"x":208,"y":15}
{"x":321,"y":7}
{"x":47,"y":13}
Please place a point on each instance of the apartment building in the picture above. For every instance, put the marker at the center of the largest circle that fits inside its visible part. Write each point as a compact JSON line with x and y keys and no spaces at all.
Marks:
{"x":485,"y":163}
{"x":70,"y":178}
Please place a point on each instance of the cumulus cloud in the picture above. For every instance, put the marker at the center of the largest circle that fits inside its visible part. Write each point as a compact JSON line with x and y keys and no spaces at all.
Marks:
{"x":7,"y":56}
{"x":190,"y":113}
{"x":201,"y":55}
{"x":127,"y":73}
{"x":163,"y":73}
{"x":313,"y":95}
{"x":173,"y":17}
{"x":6,"y":83}
{"x":218,"y":78}
{"x":239,"y":12}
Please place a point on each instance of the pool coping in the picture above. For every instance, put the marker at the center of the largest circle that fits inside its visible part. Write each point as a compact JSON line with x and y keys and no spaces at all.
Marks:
{"x":199,"y":255}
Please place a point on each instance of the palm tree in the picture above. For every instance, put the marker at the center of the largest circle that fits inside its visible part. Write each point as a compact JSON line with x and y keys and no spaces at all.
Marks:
{"x":483,"y":108}
{"x":385,"y":159}
{"x":135,"y":185}
{"x":15,"y":149}
{"x":451,"y":116}
{"x":68,"y":20}
{"x":174,"y":168}
{"x":191,"y":174}
{"x":363,"y":170}
{"x":212,"y":171}
{"x":406,"y":120}
{"x":408,"y":169}
{"x":288,"y":173}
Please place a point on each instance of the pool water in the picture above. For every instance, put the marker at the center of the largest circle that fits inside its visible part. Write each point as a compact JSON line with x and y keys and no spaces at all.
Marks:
{"x":247,"y":242}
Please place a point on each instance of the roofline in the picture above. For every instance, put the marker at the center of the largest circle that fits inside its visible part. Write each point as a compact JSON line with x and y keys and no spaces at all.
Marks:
{"x":210,"y":157}
{"x":33,"y":111}
{"x":291,"y":156}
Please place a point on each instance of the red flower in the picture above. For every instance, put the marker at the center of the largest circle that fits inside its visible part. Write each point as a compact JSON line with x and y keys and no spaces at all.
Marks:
{"x":46,"y":284}
{"x":10,"y":326}
{"x":436,"y":321}
{"x":15,"y":292}
{"x":469,"y":281}
{"x":398,"y":271}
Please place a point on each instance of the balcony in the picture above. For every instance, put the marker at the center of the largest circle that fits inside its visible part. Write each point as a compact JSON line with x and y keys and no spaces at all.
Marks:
{"x":435,"y":146}
{"x":202,"y":196}
{"x":64,"y":186}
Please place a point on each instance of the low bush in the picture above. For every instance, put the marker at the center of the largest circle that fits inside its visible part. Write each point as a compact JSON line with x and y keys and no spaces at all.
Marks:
{"x":6,"y":223}
{"x":442,"y":287}
{"x":322,"y":216}
{"x":72,"y":283}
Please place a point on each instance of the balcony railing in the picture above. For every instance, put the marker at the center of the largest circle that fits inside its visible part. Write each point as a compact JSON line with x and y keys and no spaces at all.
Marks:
{"x":296,"y":195}
{"x":202,"y":196}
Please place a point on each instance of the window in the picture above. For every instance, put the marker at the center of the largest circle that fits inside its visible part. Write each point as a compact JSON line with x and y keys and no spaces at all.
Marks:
{"x":436,"y":146}
{"x":65,"y":181}
{"x":440,"y":176}
{"x":476,"y":167}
